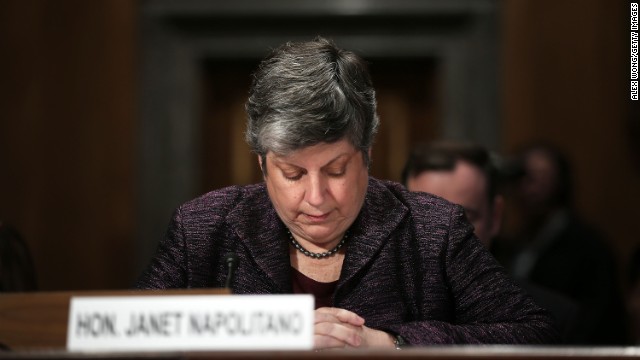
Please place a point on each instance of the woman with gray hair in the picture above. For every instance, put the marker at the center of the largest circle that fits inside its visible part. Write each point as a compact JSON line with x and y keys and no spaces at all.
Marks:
{"x":386,"y":267}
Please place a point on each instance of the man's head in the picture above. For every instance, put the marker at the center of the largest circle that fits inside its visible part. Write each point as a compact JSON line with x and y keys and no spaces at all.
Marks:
{"x":544,"y":183}
{"x":464,"y":174}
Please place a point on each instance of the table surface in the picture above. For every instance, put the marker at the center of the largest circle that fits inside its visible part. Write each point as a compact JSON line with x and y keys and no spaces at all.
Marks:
{"x":467,"y":352}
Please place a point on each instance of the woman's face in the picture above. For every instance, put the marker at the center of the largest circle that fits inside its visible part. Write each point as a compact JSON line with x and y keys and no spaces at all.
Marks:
{"x":318,"y":190}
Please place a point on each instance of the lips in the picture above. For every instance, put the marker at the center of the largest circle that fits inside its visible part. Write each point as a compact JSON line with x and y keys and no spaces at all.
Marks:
{"x":317,"y":218}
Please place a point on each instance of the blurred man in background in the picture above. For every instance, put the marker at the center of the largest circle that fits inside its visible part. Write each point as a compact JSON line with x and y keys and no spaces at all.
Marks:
{"x":17,"y":272}
{"x":469,"y":175}
{"x":463,"y":174}
{"x":633,"y":296}
{"x":553,"y":247}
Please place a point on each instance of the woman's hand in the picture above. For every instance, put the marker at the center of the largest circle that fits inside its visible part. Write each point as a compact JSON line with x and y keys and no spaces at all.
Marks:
{"x":339,"y":328}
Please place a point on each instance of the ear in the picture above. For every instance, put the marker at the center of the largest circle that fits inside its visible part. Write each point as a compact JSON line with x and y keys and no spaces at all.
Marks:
{"x":496,"y":215}
{"x":262,"y":169}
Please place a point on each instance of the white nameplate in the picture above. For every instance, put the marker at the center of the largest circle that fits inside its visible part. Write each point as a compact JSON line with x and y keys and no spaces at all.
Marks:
{"x":191,"y":322}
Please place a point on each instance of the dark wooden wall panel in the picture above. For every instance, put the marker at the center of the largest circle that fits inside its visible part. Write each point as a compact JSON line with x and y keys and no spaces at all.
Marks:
{"x":68,"y":118}
{"x":566,"y":80}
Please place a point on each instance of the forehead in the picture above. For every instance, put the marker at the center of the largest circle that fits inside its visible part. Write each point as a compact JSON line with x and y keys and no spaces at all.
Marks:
{"x":464,"y":184}
{"x":315,"y":155}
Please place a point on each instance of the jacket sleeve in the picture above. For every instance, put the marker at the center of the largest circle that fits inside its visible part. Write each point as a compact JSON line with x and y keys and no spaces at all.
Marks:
{"x":168,"y":267}
{"x":488,"y":307}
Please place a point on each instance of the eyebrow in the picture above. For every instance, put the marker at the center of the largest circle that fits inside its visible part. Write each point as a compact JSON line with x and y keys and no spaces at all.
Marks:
{"x":282,"y":160}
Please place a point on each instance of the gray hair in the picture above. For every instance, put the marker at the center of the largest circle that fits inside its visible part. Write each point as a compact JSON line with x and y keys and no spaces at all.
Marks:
{"x":308,"y":93}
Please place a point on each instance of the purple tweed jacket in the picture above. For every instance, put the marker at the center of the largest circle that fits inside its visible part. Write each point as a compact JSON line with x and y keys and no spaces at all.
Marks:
{"x":412,"y":267}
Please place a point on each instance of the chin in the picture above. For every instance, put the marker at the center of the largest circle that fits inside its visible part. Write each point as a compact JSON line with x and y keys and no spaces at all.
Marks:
{"x":318,"y":232}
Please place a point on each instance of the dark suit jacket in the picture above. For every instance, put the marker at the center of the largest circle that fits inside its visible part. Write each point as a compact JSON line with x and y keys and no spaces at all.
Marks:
{"x":412,"y":267}
{"x":573,"y":259}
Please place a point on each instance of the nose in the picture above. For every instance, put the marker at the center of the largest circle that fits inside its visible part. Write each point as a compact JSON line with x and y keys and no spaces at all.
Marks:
{"x":316,"y":190}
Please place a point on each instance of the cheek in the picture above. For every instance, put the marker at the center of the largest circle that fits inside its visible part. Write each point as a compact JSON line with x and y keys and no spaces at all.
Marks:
{"x":292,"y":197}
{"x":482,"y":226}
{"x":479,"y":227}
{"x":285,"y":196}
{"x":349,"y":194}
{"x":336,"y":189}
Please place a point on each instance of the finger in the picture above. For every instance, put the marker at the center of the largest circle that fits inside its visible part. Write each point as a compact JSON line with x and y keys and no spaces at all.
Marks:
{"x":342,"y":332}
{"x":324,"y":342}
{"x":343,"y":315}
{"x":325,"y":316}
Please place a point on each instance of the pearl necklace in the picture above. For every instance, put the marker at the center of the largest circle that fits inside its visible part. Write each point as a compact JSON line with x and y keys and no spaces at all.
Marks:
{"x":316,"y":255}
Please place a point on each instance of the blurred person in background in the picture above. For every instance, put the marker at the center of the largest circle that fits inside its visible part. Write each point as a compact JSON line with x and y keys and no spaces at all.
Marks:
{"x":462,"y":173}
{"x":469,"y":175}
{"x":633,"y":296}
{"x":17,"y":273}
{"x":553,"y":247}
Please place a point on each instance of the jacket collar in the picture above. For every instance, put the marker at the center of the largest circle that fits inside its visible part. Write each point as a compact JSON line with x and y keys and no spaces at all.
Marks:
{"x":261,"y":231}
{"x":379,"y":217}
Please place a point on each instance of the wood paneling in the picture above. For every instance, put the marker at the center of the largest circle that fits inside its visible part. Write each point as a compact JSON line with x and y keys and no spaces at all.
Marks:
{"x":67,"y":110}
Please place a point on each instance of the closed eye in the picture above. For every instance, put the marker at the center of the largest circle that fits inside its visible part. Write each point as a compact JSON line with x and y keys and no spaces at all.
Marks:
{"x":293,"y":176}
{"x":336,"y":173}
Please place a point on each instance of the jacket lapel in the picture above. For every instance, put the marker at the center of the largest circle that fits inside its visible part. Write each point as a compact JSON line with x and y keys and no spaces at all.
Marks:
{"x":263,"y":234}
{"x":381,"y":214}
